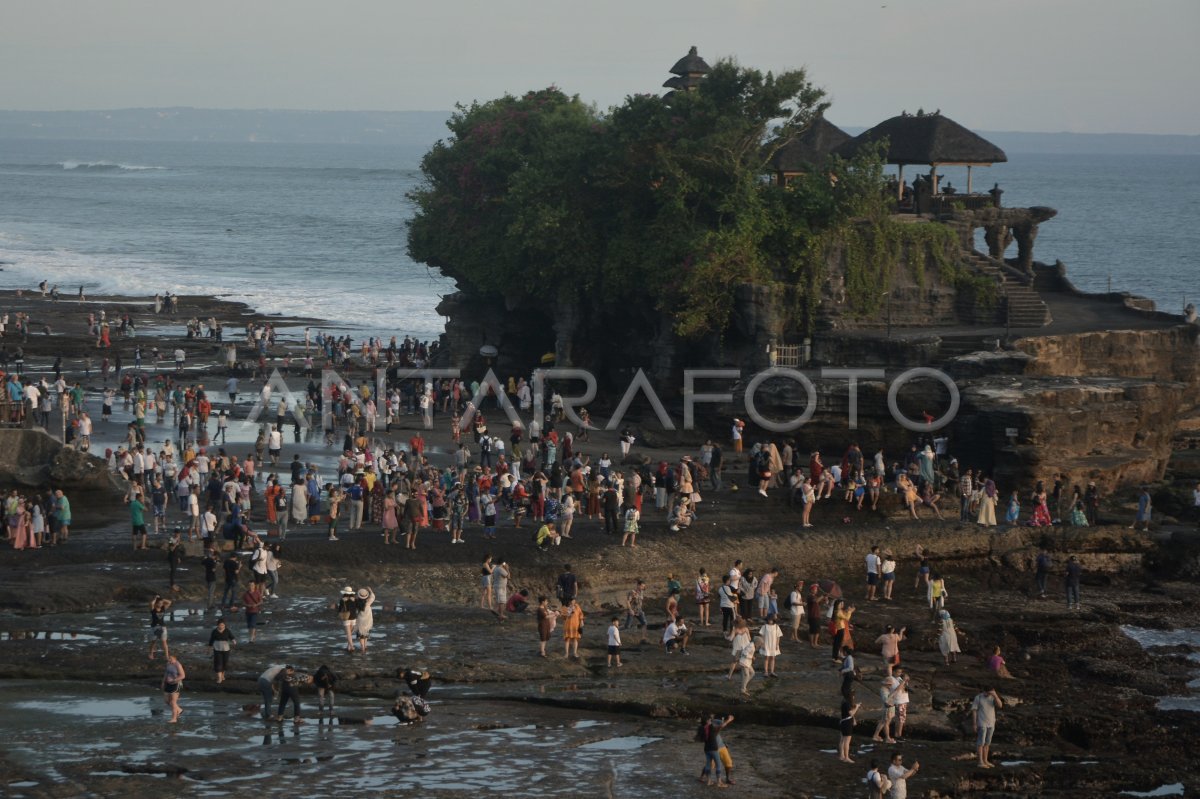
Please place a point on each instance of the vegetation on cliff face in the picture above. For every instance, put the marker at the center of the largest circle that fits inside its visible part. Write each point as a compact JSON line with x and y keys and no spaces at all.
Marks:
{"x":652,"y":205}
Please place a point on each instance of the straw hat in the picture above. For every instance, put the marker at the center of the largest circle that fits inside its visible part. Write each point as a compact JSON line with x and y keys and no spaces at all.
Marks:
{"x":347,"y":591}
{"x":363,"y":593}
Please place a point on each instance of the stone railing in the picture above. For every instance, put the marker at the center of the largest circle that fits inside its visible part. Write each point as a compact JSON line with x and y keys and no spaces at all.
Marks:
{"x":948,"y":203}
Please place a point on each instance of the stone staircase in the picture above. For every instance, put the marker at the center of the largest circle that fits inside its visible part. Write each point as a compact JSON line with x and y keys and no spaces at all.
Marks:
{"x":1025,"y":308}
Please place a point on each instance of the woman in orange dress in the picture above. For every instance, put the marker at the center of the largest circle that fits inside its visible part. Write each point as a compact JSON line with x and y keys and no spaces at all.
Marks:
{"x":272,"y":494}
{"x":572,"y":616}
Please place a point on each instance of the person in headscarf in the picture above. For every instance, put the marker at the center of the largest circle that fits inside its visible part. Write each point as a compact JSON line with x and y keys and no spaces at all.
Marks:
{"x":987,"y":504}
{"x":948,"y":639}
{"x":926,"y":464}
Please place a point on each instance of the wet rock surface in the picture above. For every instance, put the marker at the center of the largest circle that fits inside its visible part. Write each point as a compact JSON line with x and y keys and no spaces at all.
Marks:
{"x":79,"y":687}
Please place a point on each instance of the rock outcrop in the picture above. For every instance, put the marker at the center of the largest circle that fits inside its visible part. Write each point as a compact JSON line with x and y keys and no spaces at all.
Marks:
{"x":33,"y":459}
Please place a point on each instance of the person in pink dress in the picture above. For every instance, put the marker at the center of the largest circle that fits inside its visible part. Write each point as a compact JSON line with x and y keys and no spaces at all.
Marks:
{"x":23,"y":535}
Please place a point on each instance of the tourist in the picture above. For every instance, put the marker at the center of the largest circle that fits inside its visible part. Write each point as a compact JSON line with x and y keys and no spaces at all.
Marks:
{"x":518,"y":602}
{"x":676,"y":634}
{"x":703,"y":596}
{"x":232,"y":566}
{"x":300,"y":499}
{"x":841,"y":626}
{"x":211,"y":561}
{"x":937,"y":592}
{"x":221,"y":641}
{"x":715,"y":750}
{"x":172,"y":683}
{"x":901,"y":699}
{"x":887,"y":574}
{"x":174,"y":559}
{"x":1042,"y":572}
{"x":1041,"y":513}
{"x":987,"y":504}
{"x":62,"y":515}
{"x":889,"y":644}
{"x":567,"y":587}
{"x":1144,"y":510}
{"x":252,"y":600}
{"x":1074,"y":572}
{"x":995,"y":664}
{"x":887,"y":693}
{"x":738,"y":642}
{"x":413,"y":517}
{"x":847,"y":670}
{"x":614,"y":642}
{"x":501,"y":574}
{"x":137,"y":519}
{"x":983,"y":723}
{"x":899,"y":776}
{"x":1012,"y":516}
{"x":814,"y":602}
{"x":158,"y":625}
{"x":873,"y":561}
{"x":572,"y":616}
{"x":948,"y":638}
{"x":486,"y":600}
{"x":635,"y":607}
{"x":1091,"y":503}
{"x":745,"y":662}
{"x":794,"y":604}
{"x":364,"y":616}
{"x":878,"y":784}
{"x":289,"y":683}
{"x":771,"y":634}
{"x":547,"y":619}
{"x":729,"y":601}
{"x":746,"y":588}
{"x":347,"y":610}
{"x":325,"y":679}
{"x":849,"y":710}
{"x":632,"y":517}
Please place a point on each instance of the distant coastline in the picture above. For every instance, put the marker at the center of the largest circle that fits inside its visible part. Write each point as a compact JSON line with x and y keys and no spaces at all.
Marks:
{"x":414,"y":127}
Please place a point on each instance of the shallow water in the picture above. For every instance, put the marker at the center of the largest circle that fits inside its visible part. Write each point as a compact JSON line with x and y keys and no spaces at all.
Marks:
{"x":1149,"y":639}
{"x":64,"y":731}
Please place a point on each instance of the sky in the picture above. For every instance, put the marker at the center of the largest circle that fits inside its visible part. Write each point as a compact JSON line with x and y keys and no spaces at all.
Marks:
{"x":1033,"y":65}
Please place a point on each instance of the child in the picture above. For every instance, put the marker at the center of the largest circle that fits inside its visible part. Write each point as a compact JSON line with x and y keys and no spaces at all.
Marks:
{"x":746,"y":663}
{"x":614,"y":642}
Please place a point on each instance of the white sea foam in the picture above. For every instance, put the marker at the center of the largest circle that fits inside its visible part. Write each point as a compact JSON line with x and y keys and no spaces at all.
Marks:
{"x":365,"y":308}
{"x":107,"y":166}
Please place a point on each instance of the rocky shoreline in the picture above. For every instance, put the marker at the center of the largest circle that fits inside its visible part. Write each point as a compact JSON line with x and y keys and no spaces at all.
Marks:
{"x":1085,"y":697}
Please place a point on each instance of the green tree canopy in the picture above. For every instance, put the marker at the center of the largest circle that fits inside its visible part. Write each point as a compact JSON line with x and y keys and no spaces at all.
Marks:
{"x":658,"y":204}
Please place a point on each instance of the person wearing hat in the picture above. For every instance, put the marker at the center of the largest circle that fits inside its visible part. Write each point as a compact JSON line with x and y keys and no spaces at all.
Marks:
{"x":364,"y":617}
{"x":347,"y":611}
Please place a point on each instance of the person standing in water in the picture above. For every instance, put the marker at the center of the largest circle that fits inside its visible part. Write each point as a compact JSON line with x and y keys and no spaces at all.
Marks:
{"x":222,"y":642}
{"x":172,"y":683}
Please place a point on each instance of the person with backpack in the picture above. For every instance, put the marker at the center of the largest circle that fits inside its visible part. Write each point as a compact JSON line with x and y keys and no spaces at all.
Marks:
{"x":568,"y":585}
{"x":878,"y":784}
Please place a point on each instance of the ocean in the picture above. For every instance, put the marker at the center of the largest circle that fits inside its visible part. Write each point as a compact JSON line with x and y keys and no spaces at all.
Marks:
{"x":319,"y":229}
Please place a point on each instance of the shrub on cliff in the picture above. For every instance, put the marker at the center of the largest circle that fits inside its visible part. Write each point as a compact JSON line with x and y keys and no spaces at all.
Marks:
{"x":654,"y":206}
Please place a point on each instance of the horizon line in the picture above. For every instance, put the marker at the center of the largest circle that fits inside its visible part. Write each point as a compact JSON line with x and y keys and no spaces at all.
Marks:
{"x":448,"y":112}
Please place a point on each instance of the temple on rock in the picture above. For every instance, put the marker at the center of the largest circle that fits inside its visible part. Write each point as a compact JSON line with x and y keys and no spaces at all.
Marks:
{"x":1050,"y":379}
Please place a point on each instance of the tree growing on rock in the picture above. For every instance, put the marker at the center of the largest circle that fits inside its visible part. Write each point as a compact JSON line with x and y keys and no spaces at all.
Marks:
{"x":657,"y":206}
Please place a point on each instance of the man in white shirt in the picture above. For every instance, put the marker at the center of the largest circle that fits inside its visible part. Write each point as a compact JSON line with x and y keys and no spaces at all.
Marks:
{"x":676,"y":635}
{"x":85,"y":431}
{"x":208,"y":524}
{"x":873,"y":562}
{"x":275,"y":445}
{"x":735,"y":576}
{"x":899,"y":775}
{"x":983,"y":721}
